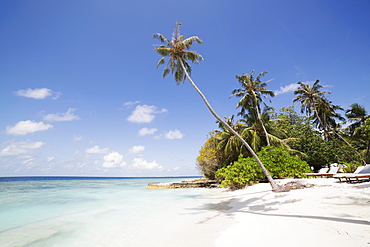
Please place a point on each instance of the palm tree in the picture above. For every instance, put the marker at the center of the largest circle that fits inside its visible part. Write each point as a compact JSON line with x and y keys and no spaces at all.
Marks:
{"x":357,"y":116}
{"x":313,"y":101}
{"x":251,"y":93}
{"x":364,"y":131}
{"x":228,"y":144}
{"x":177,"y":50}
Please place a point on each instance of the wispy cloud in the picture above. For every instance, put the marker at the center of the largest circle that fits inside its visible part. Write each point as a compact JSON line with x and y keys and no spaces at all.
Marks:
{"x":97,"y":150}
{"x":145,"y":131}
{"x":27,"y":127}
{"x":23,"y":147}
{"x":78,"y":138}
{"x":131,"y":103}
{"x":286,"y":89}
{"x":38,"y":93}
{"x":144,"y":114}
{"x":59,"y":117}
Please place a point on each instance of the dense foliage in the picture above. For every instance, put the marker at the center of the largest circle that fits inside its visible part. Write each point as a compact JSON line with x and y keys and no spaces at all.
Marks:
{"x":245,"y":171}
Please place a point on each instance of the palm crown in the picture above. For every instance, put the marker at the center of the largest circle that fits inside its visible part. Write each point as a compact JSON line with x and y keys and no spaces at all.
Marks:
{"x":252,"y":92}
{"x":309,"y":96}
{"x":177,"y":50}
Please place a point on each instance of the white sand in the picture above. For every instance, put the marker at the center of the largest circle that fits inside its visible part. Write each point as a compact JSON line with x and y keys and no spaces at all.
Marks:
{"x":328,"y":214}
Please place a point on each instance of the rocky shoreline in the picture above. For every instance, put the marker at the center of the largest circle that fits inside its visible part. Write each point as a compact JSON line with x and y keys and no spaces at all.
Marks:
{"x":197,"y":183}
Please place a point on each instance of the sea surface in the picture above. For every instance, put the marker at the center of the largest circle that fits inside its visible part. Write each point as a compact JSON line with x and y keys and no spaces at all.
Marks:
{"x":86,"y":211}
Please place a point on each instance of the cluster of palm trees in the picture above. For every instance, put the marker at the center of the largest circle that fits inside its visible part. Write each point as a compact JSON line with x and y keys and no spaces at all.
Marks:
{"x":254,"y":130}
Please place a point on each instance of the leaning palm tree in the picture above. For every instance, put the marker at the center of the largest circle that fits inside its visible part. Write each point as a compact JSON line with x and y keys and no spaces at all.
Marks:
{"x":251,"y":93}
{"x":177,"y":50}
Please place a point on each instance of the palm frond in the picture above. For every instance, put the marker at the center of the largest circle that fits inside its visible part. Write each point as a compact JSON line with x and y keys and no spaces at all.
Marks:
{"x":160,"y":62}
{"x":161,"y":38}
{"x":189,"y":41}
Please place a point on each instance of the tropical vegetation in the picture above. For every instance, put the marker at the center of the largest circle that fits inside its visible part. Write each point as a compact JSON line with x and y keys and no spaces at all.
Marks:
{"x":264,"y":144}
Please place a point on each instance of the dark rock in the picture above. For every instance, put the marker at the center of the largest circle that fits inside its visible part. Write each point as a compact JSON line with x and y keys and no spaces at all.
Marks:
{"x":197,"y":183}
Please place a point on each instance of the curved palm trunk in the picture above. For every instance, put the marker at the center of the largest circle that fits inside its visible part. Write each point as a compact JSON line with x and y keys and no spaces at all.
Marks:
{"x":263,"y":126}
{"x":274,"y":185}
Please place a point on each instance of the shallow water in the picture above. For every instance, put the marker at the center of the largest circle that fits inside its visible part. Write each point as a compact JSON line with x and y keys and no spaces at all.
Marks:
{"x":92,"y":212}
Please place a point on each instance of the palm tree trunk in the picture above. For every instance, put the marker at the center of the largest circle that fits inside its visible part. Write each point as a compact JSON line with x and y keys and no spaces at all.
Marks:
{"x":263,"y":126}
{"x":274,"y":185}
{"x":367,"y":152}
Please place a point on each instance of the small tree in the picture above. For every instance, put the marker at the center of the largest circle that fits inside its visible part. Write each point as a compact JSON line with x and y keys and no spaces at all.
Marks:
{"x":246,"y":171}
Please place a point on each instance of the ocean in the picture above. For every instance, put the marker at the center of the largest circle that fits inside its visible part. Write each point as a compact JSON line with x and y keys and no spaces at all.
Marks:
{"x":86,"y":211}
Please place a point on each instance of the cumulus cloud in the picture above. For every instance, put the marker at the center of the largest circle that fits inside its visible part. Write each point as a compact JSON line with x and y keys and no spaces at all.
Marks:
{"x":26,"y":127}
{"x":97,"y":150}
{"x":141,"y":163}
{"x":58,"y":117}
{"x":144,"y":114}
{"x":289,"y":88}
{"x":173,"y":134}
{"x":17,"y":148}
{"x":136,"y":149}
{"x":113,"y":160}
{"x":145,"y":131}
{"x":38,"y":93}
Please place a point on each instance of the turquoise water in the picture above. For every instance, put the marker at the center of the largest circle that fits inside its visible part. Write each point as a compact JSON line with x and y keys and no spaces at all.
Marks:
{"x":91,"y":212}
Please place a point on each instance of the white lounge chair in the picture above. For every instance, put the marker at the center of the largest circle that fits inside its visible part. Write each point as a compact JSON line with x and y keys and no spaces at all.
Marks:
{"x":345,"y":175}
{"x":363,"y":174}
{"x":321,"y":171}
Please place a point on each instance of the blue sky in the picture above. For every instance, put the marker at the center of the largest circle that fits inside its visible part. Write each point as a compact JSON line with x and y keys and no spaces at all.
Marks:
{"x":80,"y":94}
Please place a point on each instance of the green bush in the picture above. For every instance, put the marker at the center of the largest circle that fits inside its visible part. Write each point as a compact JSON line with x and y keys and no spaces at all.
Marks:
{"x":246,"y":171}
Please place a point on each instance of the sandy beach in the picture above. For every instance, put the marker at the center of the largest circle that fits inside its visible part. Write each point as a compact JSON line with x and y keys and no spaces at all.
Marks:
{"x":329,"y":214}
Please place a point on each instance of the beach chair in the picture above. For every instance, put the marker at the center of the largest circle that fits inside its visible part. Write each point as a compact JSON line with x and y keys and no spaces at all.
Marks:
{"x":344,"y":176}
{"x":333,"y":170}
{"x":330,"y":173}
{"x":363,"y":174}
{"x":321,"y":171}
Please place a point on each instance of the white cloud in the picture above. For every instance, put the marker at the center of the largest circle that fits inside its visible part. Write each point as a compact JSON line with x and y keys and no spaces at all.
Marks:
{"x":97,"y":150}
{"x":38,"y":93}
{"x":113,"y":160}
{"x":136,"y":149}
{"x":144,"y":114}
{"x":173,"y":134}
{"x":17,"y":148}
{"x":141,"y":163}
{"x":145,"y":131}
{"x":58,"y":117}
{"x":49,"y":159}
{"x":77,"y":138}
{"x":26,"y":127}
{"x":289,"y":88}
{"x":130,"y":103}
{"x":28,"y":161}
